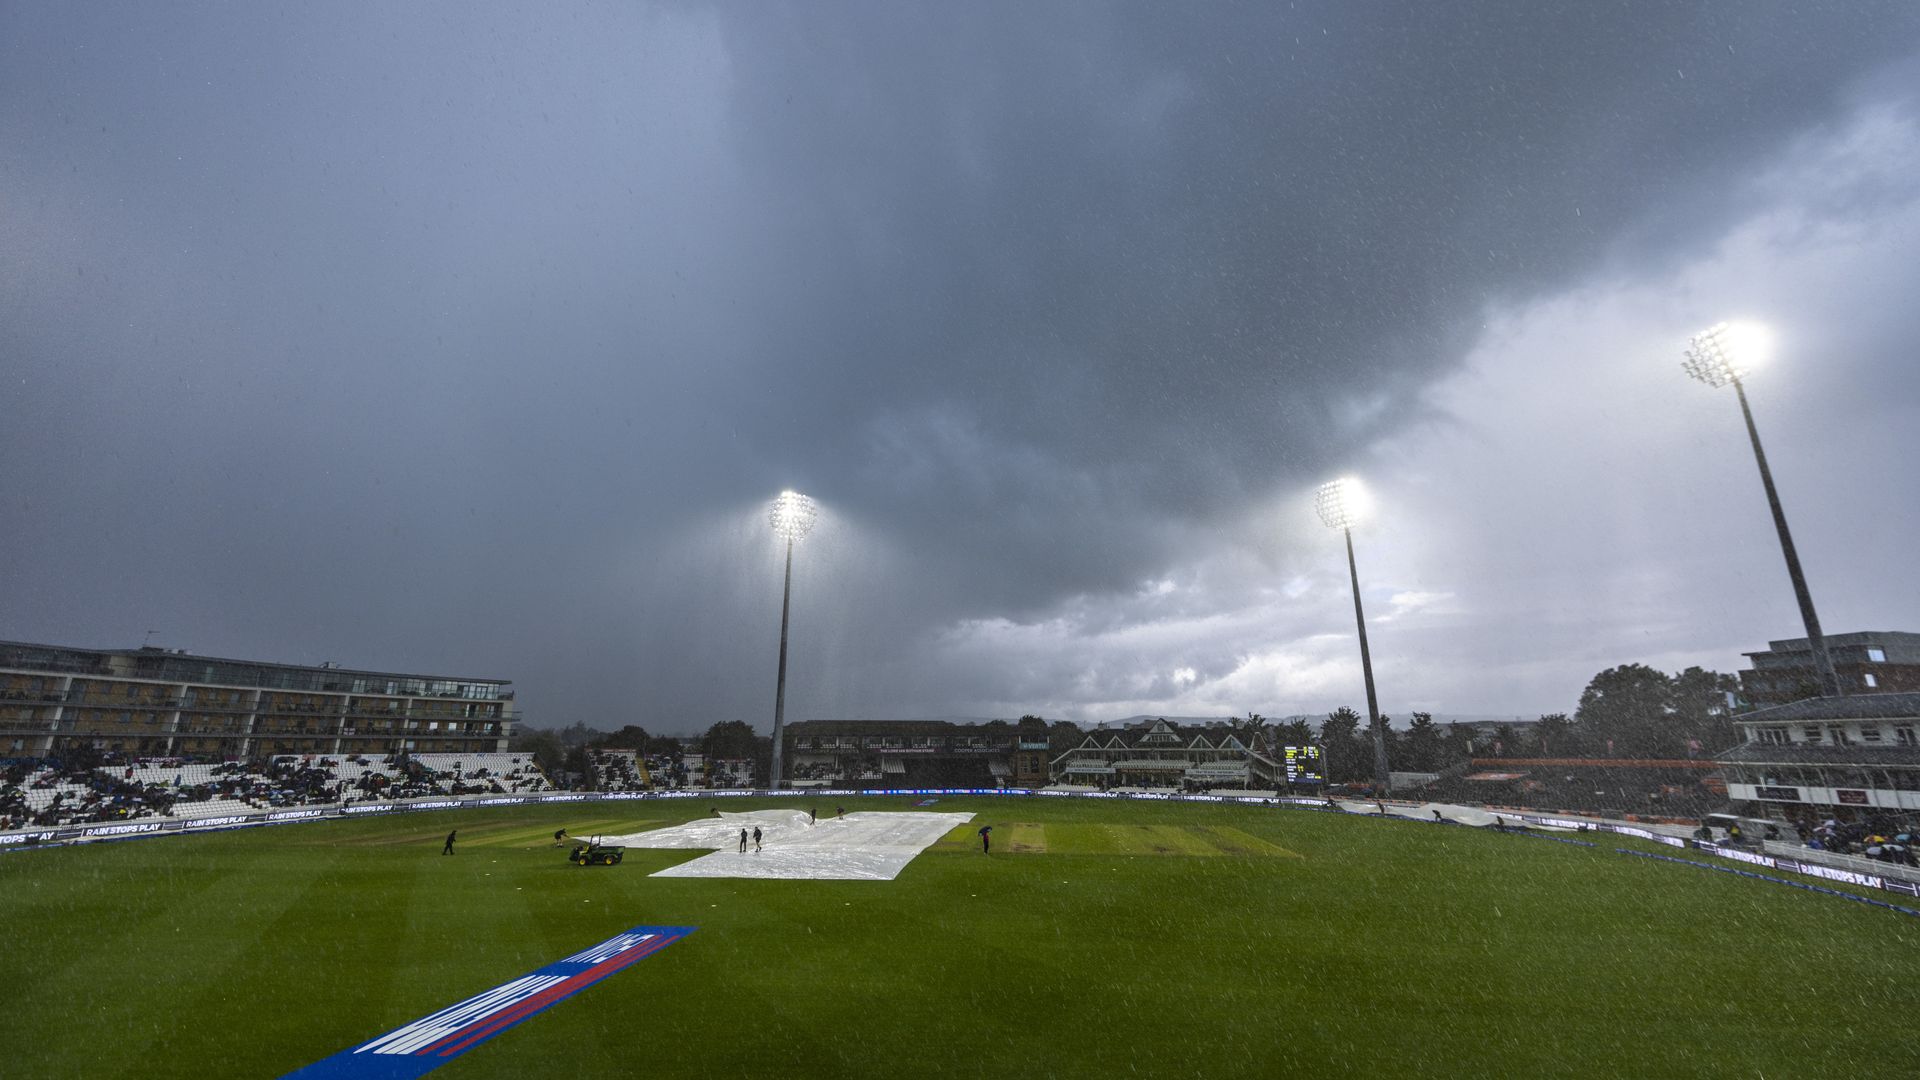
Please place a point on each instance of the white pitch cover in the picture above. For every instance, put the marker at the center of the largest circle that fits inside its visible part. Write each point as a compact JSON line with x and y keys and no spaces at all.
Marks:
{"x":865,"y":846}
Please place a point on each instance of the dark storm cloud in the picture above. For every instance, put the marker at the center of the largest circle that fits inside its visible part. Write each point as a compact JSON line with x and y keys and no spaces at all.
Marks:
{"x":1189,"y":256}
{"x":439,"y":339}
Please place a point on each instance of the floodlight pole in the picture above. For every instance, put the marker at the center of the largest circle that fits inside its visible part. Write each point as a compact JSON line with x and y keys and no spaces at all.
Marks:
{"x":1822,"y":662}
{"x":1381,"y":776}
{"x":780,"y":694}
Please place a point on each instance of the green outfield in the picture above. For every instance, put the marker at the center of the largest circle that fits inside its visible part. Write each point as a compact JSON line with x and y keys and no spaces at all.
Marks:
{"x":1100,"y":939}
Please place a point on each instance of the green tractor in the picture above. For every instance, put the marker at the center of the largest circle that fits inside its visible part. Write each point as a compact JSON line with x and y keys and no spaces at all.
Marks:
{"x":593,"y":854}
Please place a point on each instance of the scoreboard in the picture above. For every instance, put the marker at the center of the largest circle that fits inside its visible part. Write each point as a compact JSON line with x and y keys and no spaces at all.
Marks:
{"x":1304,"y":766}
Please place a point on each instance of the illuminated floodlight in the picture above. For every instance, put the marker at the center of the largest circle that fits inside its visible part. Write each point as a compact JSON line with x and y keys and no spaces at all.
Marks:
{"x":1342,"y":503}
{"x":1726,"y":352}
{"x":1722,"y":354}
{"x":792,"y":516}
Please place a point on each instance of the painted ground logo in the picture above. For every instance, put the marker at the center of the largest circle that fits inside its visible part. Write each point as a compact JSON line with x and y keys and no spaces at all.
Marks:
{"x":426,"y":1044}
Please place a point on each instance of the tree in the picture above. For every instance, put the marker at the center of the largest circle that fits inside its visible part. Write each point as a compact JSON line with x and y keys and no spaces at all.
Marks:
{"x":1553,"y":735}
{"x":544,"y":747}
{"x":631,"y":736}
{"x":1255,"y":732}
{"x":1700,"y":710}
{"x":734,"y":739}
{"x":1626,"y":712}
{"x":664,"y":746}
{"x":1421,"y":747}
{"x":1504,"y":742}
{"x":1062,"y":736}
{"x":1345,"y":760}
{"x":1295,"y":732}
{"x":578,"y":734}
{"x":575,"y":760}
{"x":729,"y":739}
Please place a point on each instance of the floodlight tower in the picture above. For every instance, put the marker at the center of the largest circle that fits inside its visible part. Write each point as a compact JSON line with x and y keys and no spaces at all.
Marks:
{"x":1340,"y":504}
{"x":792,"y":516}
{"x":1719,"y":355}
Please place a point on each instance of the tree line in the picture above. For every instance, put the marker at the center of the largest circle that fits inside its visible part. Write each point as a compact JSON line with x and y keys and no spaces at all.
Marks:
{"x":1630,"y":711}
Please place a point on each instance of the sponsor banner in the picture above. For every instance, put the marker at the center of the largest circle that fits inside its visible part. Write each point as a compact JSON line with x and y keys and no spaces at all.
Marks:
{"x":1777,"y":881}
{"x":563,"y":798}
{"x":1849,"y":877}
{"x":28,"y":837}
{"x":435,"y":804}
{"x":368,"y":808}
{"x":426,"y":1044}
{"x":511,"y":800}
{"x":221,"y":822}
{"x":296,"y":815}
{"x":1738,"y":855}
{"x":131,"y":828}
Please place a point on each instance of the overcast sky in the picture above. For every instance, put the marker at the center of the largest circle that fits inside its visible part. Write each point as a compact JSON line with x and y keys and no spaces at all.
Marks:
{"x":473,"y":339}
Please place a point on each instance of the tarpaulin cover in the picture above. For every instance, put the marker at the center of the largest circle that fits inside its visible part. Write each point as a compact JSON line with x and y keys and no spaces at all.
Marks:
{"x":1464,"y":815}
{"x":866,"y":846}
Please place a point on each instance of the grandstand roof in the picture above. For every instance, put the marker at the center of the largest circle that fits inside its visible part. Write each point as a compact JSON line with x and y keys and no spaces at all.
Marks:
{"x":894,"y":727}
{"x":1756,"y":753}
{"x":1852,"y":707}
{"x":70,"y":659}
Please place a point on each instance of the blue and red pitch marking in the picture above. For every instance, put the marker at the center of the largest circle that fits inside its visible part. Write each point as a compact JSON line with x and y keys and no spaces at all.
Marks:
{"x":424,"y":1045}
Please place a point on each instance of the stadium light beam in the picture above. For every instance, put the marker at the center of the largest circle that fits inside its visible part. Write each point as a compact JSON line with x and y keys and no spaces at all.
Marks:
{"x":792,"y":516}
{"x":1717,"y":356}
{"x":1342,"y":504}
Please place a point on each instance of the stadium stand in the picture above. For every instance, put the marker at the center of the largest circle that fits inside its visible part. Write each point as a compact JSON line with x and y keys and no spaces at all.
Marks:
{"x":480,"y":774}
{"x":617,"y":770}
{"x":1613,"y":787}
{"x":48,"y":792}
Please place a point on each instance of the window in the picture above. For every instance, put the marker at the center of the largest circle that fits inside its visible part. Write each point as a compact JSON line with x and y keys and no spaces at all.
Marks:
{"x":1870,"y":734}
{"x":1812,"y":732}
{"x":1838,"y":735}
{"x":1870,"y":679}
{"x":1904,"y":736}
{"x":1876,"y":655}
{"x":1776,"y":736}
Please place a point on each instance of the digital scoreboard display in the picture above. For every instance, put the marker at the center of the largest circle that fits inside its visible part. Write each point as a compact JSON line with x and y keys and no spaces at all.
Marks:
{"x":1304,"y":766}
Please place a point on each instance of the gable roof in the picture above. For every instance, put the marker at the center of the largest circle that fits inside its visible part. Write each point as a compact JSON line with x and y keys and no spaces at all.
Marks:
{"x":1904,"y":706}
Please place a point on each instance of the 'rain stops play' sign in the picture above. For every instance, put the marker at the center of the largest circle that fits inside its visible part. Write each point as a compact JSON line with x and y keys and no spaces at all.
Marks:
{"x":426,"y":1044}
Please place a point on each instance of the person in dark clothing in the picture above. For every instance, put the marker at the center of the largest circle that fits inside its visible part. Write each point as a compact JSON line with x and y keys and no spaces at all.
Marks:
{"x":743,"y":841}
{"x":559,"y":837}
{"x":448,"y":850}
{"x":812,"y":818}
{"x":756,"y":838}
{"x":986,"y":839}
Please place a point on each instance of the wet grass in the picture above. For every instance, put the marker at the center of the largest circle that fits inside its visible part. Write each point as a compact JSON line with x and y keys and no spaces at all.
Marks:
{"x":1099,"y":939}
